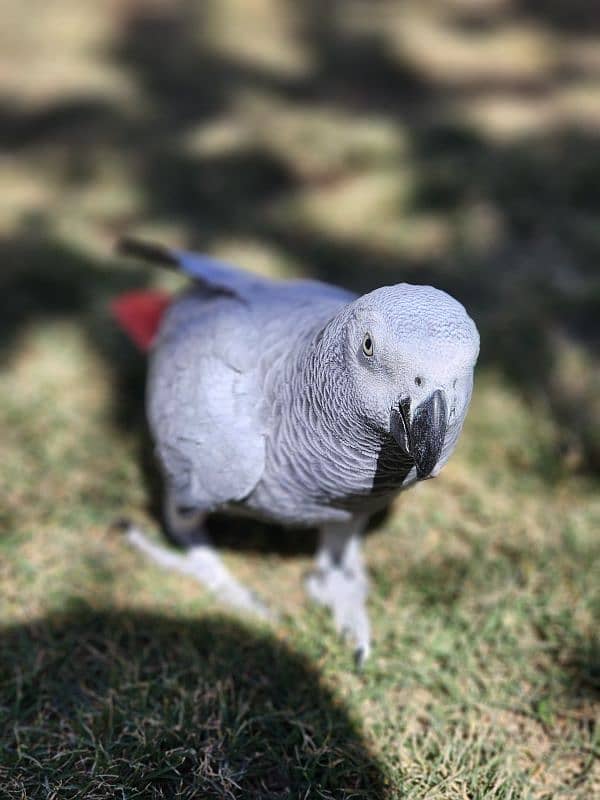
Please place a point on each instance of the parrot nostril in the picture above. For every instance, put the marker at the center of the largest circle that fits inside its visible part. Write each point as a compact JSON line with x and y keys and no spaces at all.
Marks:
{"x":418,"y":380}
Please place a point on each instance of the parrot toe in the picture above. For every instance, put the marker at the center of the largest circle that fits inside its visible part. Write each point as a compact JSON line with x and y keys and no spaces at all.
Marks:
{"x":202,"y":563}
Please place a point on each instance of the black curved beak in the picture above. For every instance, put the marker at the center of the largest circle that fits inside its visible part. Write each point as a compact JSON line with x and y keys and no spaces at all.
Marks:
{"x":423,"y":438}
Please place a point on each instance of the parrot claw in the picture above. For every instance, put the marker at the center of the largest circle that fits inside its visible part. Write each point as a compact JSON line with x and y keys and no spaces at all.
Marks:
{"x":361,"y":654}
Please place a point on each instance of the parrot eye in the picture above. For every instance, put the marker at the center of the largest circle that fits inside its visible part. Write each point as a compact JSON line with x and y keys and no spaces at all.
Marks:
{"x":368,"y":345}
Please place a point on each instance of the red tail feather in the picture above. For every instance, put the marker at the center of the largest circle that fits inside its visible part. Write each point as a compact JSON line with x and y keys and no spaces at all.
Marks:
{"x":139,"y":314}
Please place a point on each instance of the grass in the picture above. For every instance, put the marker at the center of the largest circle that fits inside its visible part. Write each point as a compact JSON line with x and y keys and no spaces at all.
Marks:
{"x":322,"y":143}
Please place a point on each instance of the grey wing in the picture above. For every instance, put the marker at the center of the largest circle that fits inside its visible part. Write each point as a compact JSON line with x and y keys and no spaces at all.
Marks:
{"x":218,"y":276}
{"x":205,"y":404}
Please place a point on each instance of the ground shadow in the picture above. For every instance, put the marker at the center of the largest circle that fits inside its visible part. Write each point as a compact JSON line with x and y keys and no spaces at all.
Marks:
{"x":245,"y":534}
{"x":102,"y":703}
{"x":582,"y":667}
{"x":241,"y":533}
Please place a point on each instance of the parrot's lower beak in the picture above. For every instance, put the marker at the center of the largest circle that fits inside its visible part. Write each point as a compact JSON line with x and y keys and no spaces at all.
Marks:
{"x":423,"y":438}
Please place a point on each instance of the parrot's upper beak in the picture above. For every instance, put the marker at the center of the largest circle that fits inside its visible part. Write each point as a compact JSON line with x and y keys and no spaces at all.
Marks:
{"x":423,"y":438}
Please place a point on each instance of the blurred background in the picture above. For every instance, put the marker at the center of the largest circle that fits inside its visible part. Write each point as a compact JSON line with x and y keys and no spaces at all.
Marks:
{"x":454,"y":142}
{"x":451,"y":142}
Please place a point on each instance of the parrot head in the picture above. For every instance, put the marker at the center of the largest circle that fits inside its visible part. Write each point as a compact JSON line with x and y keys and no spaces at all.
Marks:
{"x":410,"y":352}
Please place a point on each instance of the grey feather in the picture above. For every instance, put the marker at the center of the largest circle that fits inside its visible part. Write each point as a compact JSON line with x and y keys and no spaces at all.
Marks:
{"x":218,"y":276}
{"x":202,"y":402}
{"x":261,"y":402}
{"x":300,"y":403}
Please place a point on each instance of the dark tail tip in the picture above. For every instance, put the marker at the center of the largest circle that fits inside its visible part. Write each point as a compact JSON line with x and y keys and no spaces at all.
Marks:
{"x":147,"y":251}
{"x":121,"y":525}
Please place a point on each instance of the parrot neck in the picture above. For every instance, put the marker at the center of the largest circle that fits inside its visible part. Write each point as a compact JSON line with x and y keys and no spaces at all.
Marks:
{"x":330,"y":402}
{"x":338,"y":452}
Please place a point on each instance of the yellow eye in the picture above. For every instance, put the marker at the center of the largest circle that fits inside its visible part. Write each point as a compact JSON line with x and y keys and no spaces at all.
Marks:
{"x":368,"y":345}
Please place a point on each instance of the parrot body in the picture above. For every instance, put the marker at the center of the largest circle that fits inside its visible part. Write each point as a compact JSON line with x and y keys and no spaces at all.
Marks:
{"x":300,"y":403}
{"x":227,"y":355}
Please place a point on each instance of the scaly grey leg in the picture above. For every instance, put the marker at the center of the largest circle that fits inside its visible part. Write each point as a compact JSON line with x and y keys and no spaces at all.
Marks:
{"x":340,"y":582}
{"x":200,"y":559}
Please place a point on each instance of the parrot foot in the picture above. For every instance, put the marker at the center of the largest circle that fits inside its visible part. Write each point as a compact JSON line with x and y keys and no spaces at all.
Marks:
{"x":202,"y":562}
{"x":340,"y":583}
{"x":344,"y":594}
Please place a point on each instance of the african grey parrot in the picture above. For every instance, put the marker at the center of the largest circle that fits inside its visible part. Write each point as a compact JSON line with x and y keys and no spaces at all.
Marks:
{"x":299,"y":403}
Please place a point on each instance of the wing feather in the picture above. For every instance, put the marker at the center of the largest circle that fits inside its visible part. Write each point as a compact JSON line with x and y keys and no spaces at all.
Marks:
{"x":221,"y":277}
{"x":205,"y":405}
